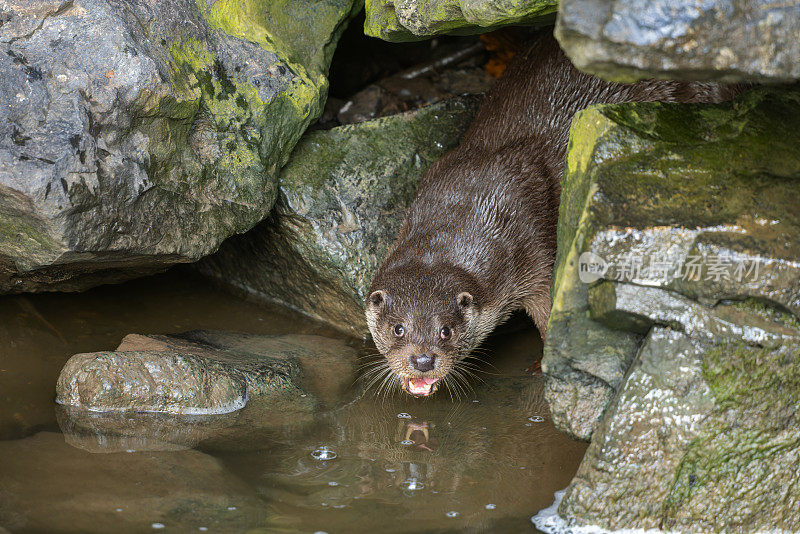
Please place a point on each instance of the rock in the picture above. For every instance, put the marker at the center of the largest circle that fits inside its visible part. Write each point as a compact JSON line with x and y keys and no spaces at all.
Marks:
{"x":413,"y":20}
{"x":703,"y":438}
{"x":694,"y":199}
{"x":345,"y":192}
{"x":208,"y":372}
{"x":136,"y":135}
{"x":46,"y":485}
{"x":728,"y":40}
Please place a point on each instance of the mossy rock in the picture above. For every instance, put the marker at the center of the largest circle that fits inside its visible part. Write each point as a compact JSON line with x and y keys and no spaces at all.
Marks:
{"x":703,"y":196}
{"x":703,"y":437}
{"x":414,"y":20}
{"x":344,"y":194}
{"x":138,"y":135}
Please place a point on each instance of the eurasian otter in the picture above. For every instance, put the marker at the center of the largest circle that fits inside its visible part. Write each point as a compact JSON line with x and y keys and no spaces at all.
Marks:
{"x":479,"y":240}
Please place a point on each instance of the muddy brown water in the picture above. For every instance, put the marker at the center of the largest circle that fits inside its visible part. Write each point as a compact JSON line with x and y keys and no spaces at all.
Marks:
{"x":482,"y":463}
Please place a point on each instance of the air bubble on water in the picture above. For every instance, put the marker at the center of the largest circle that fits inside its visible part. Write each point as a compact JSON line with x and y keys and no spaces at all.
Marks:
{"x":203,"y":529}
{"x":522,"y":467}
{"x":332,"y":483}
{"x":412,"y":484}
{"x":403,"y":415}
{"x":528,"y":424}
{"x":490,"y":506}
{"x":157,"y":525}
{"x":452,"y":513}
{"x":536,"y":419}
{"x":475,"y":400}
{"x":389,"y":470}
{"x":406,"y":442}
{"x":119,"y":509}
{"x":231,"y":508}
{"x":323,"y":453}
{"x":339,"y":506}
{"x":320,"y":532}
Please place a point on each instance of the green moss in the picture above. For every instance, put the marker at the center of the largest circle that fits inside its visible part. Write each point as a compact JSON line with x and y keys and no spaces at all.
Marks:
{"x":749,"y":442}
{"x":768,"y":312}
{"x":748,"y":377}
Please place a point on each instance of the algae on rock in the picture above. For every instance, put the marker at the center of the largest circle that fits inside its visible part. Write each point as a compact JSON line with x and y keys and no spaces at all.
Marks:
{"x":695,"y":199}
{"x":344,"y":194}
{"x":138,"y":135}
{"x":414,"y":20}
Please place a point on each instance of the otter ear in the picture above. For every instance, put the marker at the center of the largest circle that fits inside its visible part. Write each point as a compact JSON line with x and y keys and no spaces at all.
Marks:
{"x":377,"y":298}
{"x":465,"y":300}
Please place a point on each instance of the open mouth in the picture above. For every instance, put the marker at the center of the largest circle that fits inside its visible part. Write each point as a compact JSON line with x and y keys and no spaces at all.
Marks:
{"x":421,"y":387}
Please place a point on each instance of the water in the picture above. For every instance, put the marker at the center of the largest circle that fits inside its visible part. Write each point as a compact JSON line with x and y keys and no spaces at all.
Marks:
{"x":394,"y":464}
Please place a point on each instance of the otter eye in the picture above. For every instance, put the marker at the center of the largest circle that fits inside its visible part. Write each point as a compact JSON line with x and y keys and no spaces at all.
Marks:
{"x":399,"y":330}
{"x":444,"y":333}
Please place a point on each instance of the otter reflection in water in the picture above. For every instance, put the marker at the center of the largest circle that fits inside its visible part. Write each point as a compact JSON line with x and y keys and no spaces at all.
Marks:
{"x":479,"y":240}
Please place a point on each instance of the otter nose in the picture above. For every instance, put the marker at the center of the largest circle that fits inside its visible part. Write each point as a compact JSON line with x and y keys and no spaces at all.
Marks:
{"x":423,"y":362}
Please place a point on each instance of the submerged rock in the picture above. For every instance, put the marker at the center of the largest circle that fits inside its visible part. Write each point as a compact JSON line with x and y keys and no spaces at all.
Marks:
{"x":136,"y":135}
{"x":730,"y":40}
{"x":345,"y":192}
{"x":208,"y":372}
{"x":48,"y":486}
{"x":412,"y":20}
{"x":699,"y":201}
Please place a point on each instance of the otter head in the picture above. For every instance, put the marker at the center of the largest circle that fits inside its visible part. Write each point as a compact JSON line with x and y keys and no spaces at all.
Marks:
{"x":424,"y":320}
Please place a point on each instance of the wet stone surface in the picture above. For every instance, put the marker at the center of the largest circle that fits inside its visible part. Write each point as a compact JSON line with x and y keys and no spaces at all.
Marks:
{"x":695,"y":200}
{"x":730,"y":40}
{"x":703,"y":438}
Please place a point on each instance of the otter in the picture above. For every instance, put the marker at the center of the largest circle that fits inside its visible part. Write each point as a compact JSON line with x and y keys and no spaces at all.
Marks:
{"x":479,"y":240}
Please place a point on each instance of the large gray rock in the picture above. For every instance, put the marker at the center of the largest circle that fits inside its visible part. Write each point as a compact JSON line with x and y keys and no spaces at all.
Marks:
{"x":208,"y":372}
{"x":698,"y":200}
{"x":345,"y":192}
{"x":730,"y":40}
{"x":136,"y":135}
{"x":413,"y":20}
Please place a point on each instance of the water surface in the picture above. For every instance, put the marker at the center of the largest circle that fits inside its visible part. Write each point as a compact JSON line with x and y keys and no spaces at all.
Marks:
{"x":483,"y":463}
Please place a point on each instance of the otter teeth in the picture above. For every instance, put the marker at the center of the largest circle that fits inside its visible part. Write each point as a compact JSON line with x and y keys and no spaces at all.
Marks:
{"x":421,"y":386}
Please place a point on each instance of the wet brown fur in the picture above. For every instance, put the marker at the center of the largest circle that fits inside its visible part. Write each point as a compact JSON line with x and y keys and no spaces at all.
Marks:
{"x":484,"y":218}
